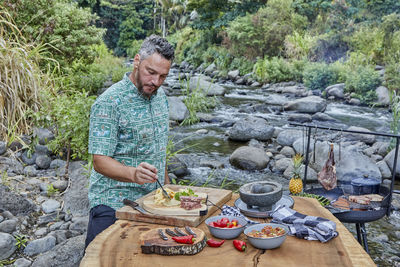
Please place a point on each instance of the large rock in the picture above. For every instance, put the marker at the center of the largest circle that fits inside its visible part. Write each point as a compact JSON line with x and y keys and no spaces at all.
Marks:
{"x":310,"y":104}
{"x":40,"y":245}
{"x":249,"y":158}
{"x":177,"y":109}
{"x":44,"y":135}
{"x":251,"y":128}
{"x":311,"y":174}
{"x":383,"y":95}
{"x":76,"y":199}
{"x":8,"y":226}
{"x":287,"y":137}
{"x":15,"y":203}
{"x":7,"y":245}
{"x":233,"y":74}
{"x":177,"y":167}
{"x":366,"y":138}
{"x":11,"y":166}
{"x":209,"y":88}
{"x":3,"y":147}
{"x":68,"y":253}
{"x":335,"y":90}
{"x":389,"y":159}
{"x":300,"y":145}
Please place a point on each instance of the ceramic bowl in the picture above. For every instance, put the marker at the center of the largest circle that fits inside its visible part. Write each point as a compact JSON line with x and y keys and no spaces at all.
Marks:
{"x":266,"y":243}
{"x":262,"y":194}
{"x":226,"y":233}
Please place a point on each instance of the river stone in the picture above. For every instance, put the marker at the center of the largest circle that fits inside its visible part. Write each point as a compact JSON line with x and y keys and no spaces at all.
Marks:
{"x":42,"y":150}
{"x":210,"y":68}
{"x":213,"y":164}
{"x":8,"y":226}
{"x":29,"y":160}
{"x":68,"y":253}
{"x":40,"y":245}
{"x":45,"y":219}
{"x":43,"y":161}
{"x":249,"y":158}
{"x":310,"y":104}
{"x":22,"y":262}
{"x":300,"y":145}
{"x":76,"y":199}
{"x":249,"y":128}
{"x":57,"y":164}
{"x":44,"y":135}
{"x":3,"y":147}
{"x":311,"y":173}
{"x":60,"y":185}
{"x":7,"y":245}
{"x":79,"y":224}
{"x":288,"y":136}
{"x":382,"y":148}
{"x":177,"y":167}
{"x":177,"y":109}
{"x":335,"y":90}
{"x":11,"y":166}
{"x":383,"y":96}
{"x":319,"y":116}
{"x":389,"y":159}
{"x":15,"y":203}
{"x":287,"y":151}
{"x":30,"y":171}
{"x":50,"y":206}
{"x":209,"y":88}
{"x":41,"y":232}
{"x":281,"y":165}
{"x":294,"y":89}
{"x":301,"y":118}
{"x":366,"y":138}
{"x":355,"y":102}
{"x":233,"y":74}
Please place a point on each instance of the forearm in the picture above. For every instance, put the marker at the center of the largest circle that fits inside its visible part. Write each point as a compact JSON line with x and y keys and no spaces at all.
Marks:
{"x":113,"y":169}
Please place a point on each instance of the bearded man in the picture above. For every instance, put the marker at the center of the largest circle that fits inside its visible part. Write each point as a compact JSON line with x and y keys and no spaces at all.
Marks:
{"x":128,"y":135}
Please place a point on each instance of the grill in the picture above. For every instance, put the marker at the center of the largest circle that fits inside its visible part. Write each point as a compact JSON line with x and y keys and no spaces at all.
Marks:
{"x":355,"y":213}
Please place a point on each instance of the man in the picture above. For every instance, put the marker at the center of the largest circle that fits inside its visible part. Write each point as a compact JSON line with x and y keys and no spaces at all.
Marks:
{"x":128,"y":135}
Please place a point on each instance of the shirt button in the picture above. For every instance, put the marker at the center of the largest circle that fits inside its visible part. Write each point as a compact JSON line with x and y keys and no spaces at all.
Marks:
{"x":144,"y":135}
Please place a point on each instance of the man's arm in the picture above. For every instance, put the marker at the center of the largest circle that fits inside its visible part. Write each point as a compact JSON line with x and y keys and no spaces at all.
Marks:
{"x":144,"y":173}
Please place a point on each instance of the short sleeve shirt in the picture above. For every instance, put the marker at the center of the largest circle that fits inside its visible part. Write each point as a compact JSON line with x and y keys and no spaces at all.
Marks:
{"x":131,"y":129}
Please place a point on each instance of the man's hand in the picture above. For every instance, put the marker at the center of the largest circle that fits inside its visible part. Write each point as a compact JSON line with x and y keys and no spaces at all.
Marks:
{"x":145,"y":173}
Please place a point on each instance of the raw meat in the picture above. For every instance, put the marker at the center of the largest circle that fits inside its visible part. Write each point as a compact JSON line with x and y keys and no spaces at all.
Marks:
{"x":327,"y":176}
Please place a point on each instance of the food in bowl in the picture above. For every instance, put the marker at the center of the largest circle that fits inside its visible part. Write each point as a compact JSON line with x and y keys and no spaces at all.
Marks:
{"x":267,"y":232}
{"x":218,"y":226}
{"x":261,"y":235}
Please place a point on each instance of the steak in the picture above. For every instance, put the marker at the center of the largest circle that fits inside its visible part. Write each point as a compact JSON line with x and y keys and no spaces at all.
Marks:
{"x":190,"y":202}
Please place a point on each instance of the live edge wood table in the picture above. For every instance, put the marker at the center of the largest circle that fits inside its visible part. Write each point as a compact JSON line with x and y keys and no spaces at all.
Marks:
{"x":119,"y":246}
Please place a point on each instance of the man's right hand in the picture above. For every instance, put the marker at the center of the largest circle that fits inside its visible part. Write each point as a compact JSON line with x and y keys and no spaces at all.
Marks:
{"x":145,"y":173}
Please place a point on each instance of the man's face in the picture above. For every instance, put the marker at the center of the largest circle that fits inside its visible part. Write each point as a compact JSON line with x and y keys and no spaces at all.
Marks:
{"x":150,"y":73}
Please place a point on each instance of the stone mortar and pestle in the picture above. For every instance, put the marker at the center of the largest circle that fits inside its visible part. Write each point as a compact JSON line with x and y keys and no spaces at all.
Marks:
{"x":261,"y":194}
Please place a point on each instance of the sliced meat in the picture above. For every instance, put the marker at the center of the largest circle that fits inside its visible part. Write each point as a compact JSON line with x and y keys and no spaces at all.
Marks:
{"x":190,"y":202}
{"x":360,"y":200}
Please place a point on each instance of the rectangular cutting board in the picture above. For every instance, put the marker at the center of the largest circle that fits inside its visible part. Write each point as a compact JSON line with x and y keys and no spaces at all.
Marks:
{"x":217,"y":196}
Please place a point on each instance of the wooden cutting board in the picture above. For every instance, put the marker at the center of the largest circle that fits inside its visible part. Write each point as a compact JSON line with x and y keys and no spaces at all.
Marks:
{"x":217,"y":196}
{"x":151,"y":242}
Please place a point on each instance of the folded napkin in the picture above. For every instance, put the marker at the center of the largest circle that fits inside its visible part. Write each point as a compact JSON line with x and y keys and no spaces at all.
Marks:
{"x":233,"y":211}
{"x":304,"y":226}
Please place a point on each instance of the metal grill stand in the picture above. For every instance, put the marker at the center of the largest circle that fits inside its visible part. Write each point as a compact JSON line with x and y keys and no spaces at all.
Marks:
{"x":360,"y":224}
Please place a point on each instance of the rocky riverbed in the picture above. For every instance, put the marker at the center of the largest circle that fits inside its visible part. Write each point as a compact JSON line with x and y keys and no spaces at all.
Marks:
{"x":247,"y":137}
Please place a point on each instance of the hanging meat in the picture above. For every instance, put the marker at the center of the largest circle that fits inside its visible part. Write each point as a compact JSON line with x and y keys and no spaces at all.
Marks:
{"x":327,"y":176}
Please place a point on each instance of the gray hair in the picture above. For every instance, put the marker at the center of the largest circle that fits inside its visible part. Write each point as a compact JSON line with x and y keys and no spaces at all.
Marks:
{"x":156,"y":44}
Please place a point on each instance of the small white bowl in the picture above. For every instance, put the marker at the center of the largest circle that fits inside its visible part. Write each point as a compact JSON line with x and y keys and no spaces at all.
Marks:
{"x":226,"y":233}
{"x":268,"y":242}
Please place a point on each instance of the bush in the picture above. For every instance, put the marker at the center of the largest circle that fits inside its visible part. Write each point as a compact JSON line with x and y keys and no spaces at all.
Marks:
{"x":278,"y":69}
{"x":298,"y":46}
{"x":368,"y":41}
{"x":363,"y":80}
{"x":318,"y":76}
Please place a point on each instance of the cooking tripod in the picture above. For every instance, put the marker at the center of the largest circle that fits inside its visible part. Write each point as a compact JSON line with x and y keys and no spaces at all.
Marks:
{"x":360,"y":224}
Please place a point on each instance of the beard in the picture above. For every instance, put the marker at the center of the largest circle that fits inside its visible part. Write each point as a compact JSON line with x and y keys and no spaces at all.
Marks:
{"x":139,"y":86}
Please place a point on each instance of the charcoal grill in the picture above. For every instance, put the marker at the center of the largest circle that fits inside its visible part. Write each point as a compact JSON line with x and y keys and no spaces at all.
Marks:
{"x":359,"y":217}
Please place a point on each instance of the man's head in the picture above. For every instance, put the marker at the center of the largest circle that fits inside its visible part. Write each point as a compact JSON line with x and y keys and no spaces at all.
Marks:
{"x":152,"y":64}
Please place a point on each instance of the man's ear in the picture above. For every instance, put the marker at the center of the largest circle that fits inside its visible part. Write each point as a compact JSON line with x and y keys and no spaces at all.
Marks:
{"x":136,"y":60}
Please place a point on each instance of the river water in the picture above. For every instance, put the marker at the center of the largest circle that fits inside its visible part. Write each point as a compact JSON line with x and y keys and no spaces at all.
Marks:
{"x":208,"y":142}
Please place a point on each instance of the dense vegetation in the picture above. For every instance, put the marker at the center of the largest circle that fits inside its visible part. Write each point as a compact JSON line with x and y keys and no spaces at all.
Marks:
{"x":57,"y":54}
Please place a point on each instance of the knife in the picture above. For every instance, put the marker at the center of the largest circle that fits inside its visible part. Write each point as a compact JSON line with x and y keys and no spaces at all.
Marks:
{"x":163,"y":190}
{"x":134,"y":205}
{"x":170,"y":232}
{"x":190,"y":231}
{"x":162,"y":235}
{"x":179,"y":232}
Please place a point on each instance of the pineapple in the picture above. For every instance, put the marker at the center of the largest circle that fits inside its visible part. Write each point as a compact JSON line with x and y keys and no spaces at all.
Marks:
{"x":296,"y":184}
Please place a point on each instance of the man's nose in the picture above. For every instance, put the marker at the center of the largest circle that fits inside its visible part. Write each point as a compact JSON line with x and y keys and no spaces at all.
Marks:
{"x":157,"y":80}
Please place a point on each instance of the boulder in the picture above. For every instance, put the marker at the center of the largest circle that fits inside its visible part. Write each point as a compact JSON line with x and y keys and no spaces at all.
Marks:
{"x":177,"y":167}
{"x":7,"y":245}
{"x":15,"y":202}
{"x":233,"y":74}
{"x":310,"y":104}
{"x":249,"y":158}
{"x":40,"y":245}
{"x":335,"y":90}
{"x":251,"y":128}
{"x":383,"y":96}
{"x":287,"y":137}
{"x":44,"y":135}
{"x":322,"y":117}
{"x":301,"y":118}
{"x":3,"y":147}
{"x":311,"y":173}
{"x":177,"y":109}
{"x":366,"y":138}
{"x":209,"y":88}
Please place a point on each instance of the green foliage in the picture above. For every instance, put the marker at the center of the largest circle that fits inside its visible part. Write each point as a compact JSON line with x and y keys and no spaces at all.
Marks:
{"x":363,"y":80}
{"x":278,"y":69}
{"x":69,"y":114}
{"x":264,"y":33}
{"x":392,"y":73}
{"x":20,"y":241}
{"x":395,"y":107}
{"x":318,"y":76}
{"x":134,"y":48}
{"x":51,"y":191}
{"x":298,"y":46}
{"x":368,"y":41}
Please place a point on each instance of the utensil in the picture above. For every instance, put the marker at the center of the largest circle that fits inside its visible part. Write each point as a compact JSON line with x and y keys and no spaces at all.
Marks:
{"x":170,"y":232}
{"x":162,"y":235}
{"x":190,"y":231}
{"x":134,"y":205}
{"x":163,"y":190}
{"x":179,"y":232}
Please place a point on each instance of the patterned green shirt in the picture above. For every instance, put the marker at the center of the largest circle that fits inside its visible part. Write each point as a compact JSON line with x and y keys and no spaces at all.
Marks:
{"x":131,"y":129}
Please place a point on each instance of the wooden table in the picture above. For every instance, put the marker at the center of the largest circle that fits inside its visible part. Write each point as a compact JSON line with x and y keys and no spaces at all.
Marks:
{"x":119,"y":246}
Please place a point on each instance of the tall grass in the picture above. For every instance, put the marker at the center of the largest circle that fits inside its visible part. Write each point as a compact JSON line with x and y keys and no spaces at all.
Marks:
{"x":21,"y":79}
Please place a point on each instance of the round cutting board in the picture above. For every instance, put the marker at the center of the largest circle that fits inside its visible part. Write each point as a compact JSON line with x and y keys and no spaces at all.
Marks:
{"x":151,"y":242}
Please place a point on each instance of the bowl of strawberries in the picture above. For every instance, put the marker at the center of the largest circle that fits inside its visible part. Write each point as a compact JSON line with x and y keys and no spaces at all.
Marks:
{"x":226,"y":227}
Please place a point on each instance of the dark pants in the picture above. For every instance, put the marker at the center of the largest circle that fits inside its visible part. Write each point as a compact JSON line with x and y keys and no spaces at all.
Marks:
{"x":100,"y":218}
